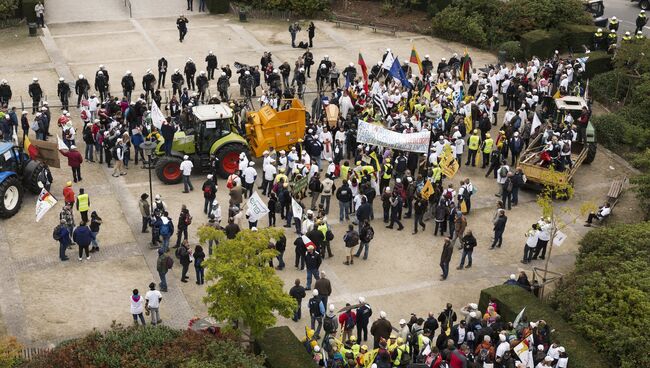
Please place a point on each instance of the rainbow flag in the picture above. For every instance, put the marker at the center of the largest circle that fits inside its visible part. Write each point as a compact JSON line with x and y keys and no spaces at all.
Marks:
{"x":30,"y":149}
{"x":415,"y":59}
{"x":364,"y":71}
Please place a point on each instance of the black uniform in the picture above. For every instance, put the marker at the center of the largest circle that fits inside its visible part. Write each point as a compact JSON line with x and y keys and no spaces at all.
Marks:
{"x":128,"y":85}
{"x":350,"y":73}
{"x":177,"y":82}
{"x":5,"y":94}
{"x":202,"y":85}
{"x":181,"y":24}
{"x":211,"y":59}
{"x":148,"y":81}
{"x":63,"y":91}
{"x":36,"y":93}
{"x":309,"y":61}
{"x":190,"y":70}
{"x":162,"y":72}
{"x":81,"y":88}
{"x":427,"y":66}
{"x":222,"y":85}
{"x":101,"y":85}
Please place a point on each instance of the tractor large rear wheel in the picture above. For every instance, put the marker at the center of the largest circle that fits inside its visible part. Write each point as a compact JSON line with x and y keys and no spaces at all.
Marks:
{"x":228,"y":156}
{"x":30,"y":177}
{"x":591,"y":153}
{"x":11,"y":197}
{"x":168,"y":170}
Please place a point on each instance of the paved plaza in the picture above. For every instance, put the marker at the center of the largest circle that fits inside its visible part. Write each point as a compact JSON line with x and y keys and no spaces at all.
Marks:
{"x":45,"y":301}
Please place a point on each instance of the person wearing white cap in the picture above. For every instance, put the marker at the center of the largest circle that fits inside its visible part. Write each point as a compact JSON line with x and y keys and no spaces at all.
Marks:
{"x":162,"y":71}
{"x":381,"y":329}
{"x":641,"y":21}
{"x":36,"y":93}
{"x":404,"y":330}
{"x":222,"y":86}
{"x":186,"y":168}
{"x":202,"y":84}
{"x":503,"y":346}
{"x":269,"y":171}
{"x":101,"y":84}
{"x":128,"y":85}
{"x":364,"y":311}
{"x":74,"y":161}
{"x":250,"y":175}
{"x":190,"y":70}
{"x":118,"y":155}
{"x":211,"y":64}
{"x":177,"y":82}
{"x":63,"y":91}
{"x":148,"y":84}
{"x":5,"y":93}
{"x":316,"y":307}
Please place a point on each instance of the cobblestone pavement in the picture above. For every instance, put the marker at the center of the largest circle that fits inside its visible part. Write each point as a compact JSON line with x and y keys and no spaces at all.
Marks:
{"x":45,"y":301}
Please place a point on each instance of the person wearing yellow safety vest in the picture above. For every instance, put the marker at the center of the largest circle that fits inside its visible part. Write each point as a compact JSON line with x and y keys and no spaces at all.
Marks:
{"x":627,"y":38}
{"x":402,"y":354}
{"x":473,"y":143}
{"x":612,"y":37}
{"x":486,"y":148}
{"x":363,"y":356}
{"x":639,"y":36}
{"x":436,"y":174}
{"x":386,"y":175}
{"x":599,"y":37}
{"x":613,"y":24}
{"x":83,"y":204}
{"x":641,"y":21}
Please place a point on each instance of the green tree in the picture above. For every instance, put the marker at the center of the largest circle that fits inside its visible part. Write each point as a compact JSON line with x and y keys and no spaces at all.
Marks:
{"x":8,"y":8}
{"x":607,"y":297}
{"x":245,"y":289}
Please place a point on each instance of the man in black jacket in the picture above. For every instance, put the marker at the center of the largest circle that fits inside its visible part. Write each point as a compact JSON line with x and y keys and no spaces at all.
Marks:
{"x":499,"y":228}
{"x":364,"y":312}
{"x":162,"y":71}
{"x":312,"y":262}
{"x":148,"y":81}
{"x":190,"y":71}
{"x":101,"y":85}
{"x":5,"y":93}
{"x":297,"y":292}
{"x":469,"y":243}
{"x":177,"y":82}
{"x":36,"y":93}
{"x":344,"y":195}
{"x":63,"y":91}
{"x":128,"y":84}
{"x":211,"y":61}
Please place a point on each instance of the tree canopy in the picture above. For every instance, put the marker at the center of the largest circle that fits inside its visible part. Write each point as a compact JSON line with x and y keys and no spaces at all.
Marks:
{"x":242,"y":286}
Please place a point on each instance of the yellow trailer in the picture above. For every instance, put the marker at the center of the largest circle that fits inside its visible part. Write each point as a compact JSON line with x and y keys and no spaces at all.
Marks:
{"x":268,"y":128}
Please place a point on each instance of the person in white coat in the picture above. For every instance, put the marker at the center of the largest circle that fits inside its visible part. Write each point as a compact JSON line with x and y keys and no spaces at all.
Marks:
{"x":137,"y":307}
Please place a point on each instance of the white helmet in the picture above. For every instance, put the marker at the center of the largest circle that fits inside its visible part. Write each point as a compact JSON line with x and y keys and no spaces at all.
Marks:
{"x":202,"y":72}
{"x":326,"y":57}
{"x":614,"y":17}
{"x":223,"y":74}
{"x":100,"y":72}
{"x":148,"y":71}
{"x":61,"y":79}
{"x":351,"y":64}
{"x":247,"y":72}
{"x":128,"y":72}
{"x":599,"y":30}
{"x":189,"y":60}
{"x":275,"y":71}
{"x":426,"y":57}
{"x":81,"y":76}
{"x":210,"y":52}
{"x":322,"y":66}
{"x":175,"y":70}
{"x":101,"y":66}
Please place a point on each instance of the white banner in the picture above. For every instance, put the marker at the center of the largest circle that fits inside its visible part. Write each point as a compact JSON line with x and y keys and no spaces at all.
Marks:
{"x":296,"y":209}
{"x":45,"y":201}
{"x":256,"y":208}
{"x":157,"y":117}
{"x":379,"y":136}
{"x":60,"y":144}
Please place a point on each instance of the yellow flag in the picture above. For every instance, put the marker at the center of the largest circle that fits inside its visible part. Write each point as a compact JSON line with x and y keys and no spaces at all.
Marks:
{"x":557,"y":94}
{"x":468,"y":124}
{"x":463,"y":207}
{"x":427,"y":190}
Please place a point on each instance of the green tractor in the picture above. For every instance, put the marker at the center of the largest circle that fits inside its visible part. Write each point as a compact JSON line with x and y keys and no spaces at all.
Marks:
{"x":212,"y":132}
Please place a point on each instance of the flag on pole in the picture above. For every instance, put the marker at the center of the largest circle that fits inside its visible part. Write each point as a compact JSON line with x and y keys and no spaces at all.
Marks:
{"x":257,"y":208}
{"x":415,"y":59}
{"x":364,"y":71}
{"x":379,"y":102}
{"x":536,"y":123}
{"x":388,"y":61}
{"x":157,"y":117}
{"x":427,"y":92}
{"x":45,"y":201}
{"x":397,"y":72}
{"x":465,"y":64}
{"x":308,"y":243}
{"x":518,"y":318}
{"x":296,"y":209}
{"x":30,"y":149}
{"x":61,"y":144}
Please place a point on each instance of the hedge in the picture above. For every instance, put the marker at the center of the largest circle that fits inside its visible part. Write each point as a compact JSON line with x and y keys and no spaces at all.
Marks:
{"x":283,"y":349}
{"x":577,"y":35}
{"x":511,"y":299}
{"x":540,"y":43}
{"x":218,"y":6}
{"x":598,"y":62}
{"x":27,"y":9}
{"x":513,"y":51}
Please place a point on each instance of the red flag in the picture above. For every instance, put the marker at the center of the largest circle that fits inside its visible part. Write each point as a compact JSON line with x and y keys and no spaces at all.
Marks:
{"x":364,"y":71}
{"x":31,"y":149}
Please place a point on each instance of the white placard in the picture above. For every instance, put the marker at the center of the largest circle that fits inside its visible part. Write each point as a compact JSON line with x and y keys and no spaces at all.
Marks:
{"x":560,"y":237}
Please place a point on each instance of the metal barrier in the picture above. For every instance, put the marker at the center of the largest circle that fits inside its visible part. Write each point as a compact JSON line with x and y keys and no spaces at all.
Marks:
{"x":31,"y":353}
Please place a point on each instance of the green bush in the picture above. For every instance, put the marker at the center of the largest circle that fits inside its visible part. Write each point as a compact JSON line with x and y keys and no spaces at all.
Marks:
{"x":511,"y":299}
{"x":513,"y":50}
{"x":609,"y":87}
{"x":8,"y":8}
{"x":642,"y":188}
{"x":575,"y":36}
{"x":307,"y":8}
{"x":150,"y":346}
{"x":27,"y":9}
{"x":453,"y":24}
{"x":283,"y":349}
{"x":540,"y":43}
{"x":607,"y":297}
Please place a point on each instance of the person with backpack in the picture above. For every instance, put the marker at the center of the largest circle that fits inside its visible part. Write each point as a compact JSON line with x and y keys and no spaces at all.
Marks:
{"x":351,"y":240}
{"x":62,"y":235}
{"x":328,"y":188}
{"x":347,"y":320}
{"x":209,"y":193}
{"x":364,"y":312}
{"x":166,"y":229}
{"x":366,"y":235}
{"x":402,"y":354}
{"x":507,"y":189}
{"x":184,"y":221}
{"x":502,"y":174}
{"x":183,"y":253}
{"x":316,"y":312}
{"x":95,"y":223}
{"x":298,"y":293}
{"x":344,"y":196}
{"x":499,"y":228}
{"x":163,"y":265}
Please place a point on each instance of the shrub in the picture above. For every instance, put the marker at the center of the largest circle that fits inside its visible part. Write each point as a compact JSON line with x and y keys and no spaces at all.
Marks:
{"x":598,"y":62}
{"x":642,"y":188}
{"x":513,"y":50}
{"x":511,"y":299}
{"x":283,"y":349}
{"x":10,"y":352}
{"x":607,"y":297}
{"x":609,"y":87}
{"x":8,"y":8}
{"x":453,"y":24}
{"x":575,"y":36}
{"x":152,"y":346}
{"x":540,"y":43}
{"x":307,"y":8}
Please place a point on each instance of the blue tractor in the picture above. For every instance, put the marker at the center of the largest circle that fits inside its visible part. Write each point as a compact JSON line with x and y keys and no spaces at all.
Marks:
{"x":18,"y":172}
